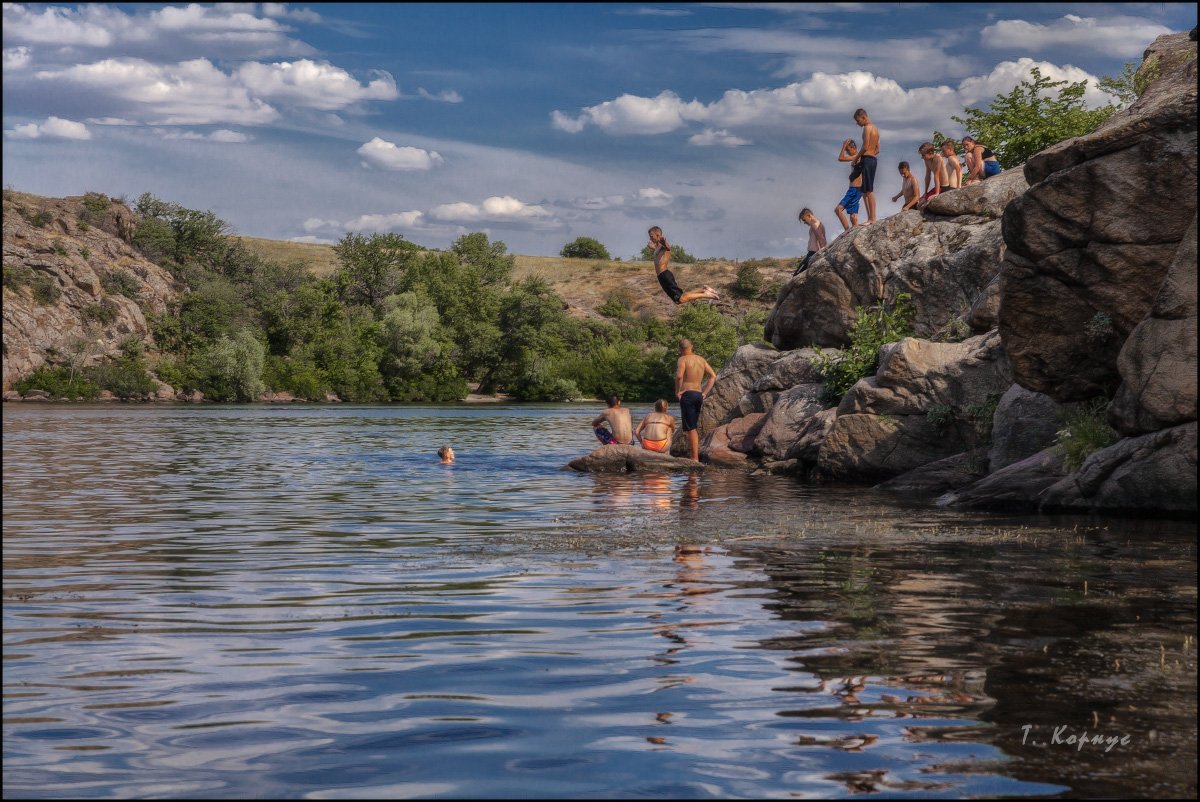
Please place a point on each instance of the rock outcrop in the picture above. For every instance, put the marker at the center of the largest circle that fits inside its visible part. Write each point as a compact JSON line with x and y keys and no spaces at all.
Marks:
{"x":943,"y":259}
{"x":1089,"y":243}
{"x":631,"y":459}
{"x":73,"y":289}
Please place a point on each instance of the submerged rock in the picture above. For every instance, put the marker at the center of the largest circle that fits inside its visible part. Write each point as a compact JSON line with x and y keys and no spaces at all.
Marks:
{"x":632,"y":459}
{"x":937,"y":478}
{"x":1017,"y":488}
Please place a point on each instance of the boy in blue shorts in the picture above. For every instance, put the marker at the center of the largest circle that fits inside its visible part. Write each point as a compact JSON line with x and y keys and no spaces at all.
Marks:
{"x":849,"y":202}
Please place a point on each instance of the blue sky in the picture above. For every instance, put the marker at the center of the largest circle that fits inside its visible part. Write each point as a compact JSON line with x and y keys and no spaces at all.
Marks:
{"x":534,"y":123}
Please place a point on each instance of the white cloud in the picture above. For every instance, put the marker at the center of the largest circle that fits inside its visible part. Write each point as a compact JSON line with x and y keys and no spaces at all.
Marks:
{"x":318,"y":85}
{"x":308,"y":239}
{"x":16,"y":58}
{"x":386,"y":155}
{"x":1007,"y":74}
{"x":494,"y":209}
{"x":87,"y":25}
{"x":652,"y":197}
{"x":189,"y":93}
{"x":373,"y":223}
{"x":110,"y":121}
{"x":445,"y":96}
{"x":52,"y":128}
{"x":709,"y":137}
{"x":1122,"y":36}
{"x":222,"y":135}
{"x":630,"y":114}
{"x":298,"y":14}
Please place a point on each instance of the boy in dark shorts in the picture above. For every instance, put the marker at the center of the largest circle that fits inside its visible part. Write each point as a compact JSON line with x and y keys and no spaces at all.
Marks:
{"x":867,"y":158}
{"x":666,"y":279}
{"x":694,"y":379}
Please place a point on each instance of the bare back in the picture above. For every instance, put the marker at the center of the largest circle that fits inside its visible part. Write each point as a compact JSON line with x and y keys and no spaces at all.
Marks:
{"x":691,"y":371}
{"x":622,"y":426}
{"x":954,"y":168}
{"x":656,"y":426}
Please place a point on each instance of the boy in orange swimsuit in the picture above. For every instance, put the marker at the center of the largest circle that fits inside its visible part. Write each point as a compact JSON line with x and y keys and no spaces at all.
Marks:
{"x":657,"y":428}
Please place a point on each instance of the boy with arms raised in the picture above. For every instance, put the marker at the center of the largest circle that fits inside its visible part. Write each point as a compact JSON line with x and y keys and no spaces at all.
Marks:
{"x":849,"y":202}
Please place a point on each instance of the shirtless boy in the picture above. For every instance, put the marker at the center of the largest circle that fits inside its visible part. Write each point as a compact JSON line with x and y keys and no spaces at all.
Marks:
{"x":666,"y":279}
{"x":953,"y":165}
{"x":691,"y":388}
{"x":849,"y":202}
{"x":656,"y":429}
{"x":617,"y":417}
{"x":867,"y":157}
{"x":935,"y":170}
{"x":816,"y":239}
{"x":908,"y":189}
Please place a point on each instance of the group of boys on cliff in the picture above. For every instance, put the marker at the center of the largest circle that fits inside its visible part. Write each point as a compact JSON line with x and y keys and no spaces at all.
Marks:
{"x":943,"y":173}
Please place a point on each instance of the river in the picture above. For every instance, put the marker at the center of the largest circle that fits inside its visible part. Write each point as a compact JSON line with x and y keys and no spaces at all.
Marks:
{"x":282,"y":602}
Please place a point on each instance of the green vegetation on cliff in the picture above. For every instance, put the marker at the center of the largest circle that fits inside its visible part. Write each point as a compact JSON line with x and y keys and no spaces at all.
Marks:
{"x":397,"y":322}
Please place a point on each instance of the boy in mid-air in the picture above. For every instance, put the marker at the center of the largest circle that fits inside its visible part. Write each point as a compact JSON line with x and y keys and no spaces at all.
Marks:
{"x":908,"y":189}
{"x":816,"y":238}
{"x":849,"y":202}
{"x":666,"y":279}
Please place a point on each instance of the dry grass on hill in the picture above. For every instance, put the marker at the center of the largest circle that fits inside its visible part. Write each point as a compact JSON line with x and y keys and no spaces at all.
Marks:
{"x":585,"y":284}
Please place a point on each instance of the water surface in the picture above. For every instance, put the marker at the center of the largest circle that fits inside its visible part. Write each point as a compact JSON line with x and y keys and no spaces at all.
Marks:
{"x":299,"y":601}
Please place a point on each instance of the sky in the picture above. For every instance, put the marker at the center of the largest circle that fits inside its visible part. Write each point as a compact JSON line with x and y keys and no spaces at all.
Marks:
{"x":534,"y":123}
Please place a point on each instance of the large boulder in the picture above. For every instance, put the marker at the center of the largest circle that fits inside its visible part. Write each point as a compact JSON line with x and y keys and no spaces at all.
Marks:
{"x":942,"y":476}
{"x":926,"y":402}
{"x":1016,"y":488}
{"x":788,"y":416}
{"x":631,"y":459}
{"x":1158,"y":362}
{"x":942,"y":262}
{"x":1025,"y":422}
{"x":1154,"y":473}
{"x":1091,"y":240}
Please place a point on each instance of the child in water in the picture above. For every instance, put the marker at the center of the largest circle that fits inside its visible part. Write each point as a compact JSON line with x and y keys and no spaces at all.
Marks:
{"x":447,"y":455}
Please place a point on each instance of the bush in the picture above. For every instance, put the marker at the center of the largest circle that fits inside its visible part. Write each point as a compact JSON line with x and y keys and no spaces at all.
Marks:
{"x":95,"y":202}
{"x":749,"y":282}
{"x":584,"y":248}
{"x":121,"y":282}
{"x":231,"y":369}
{"x":1086,"y":430}
{"x":873,"y":329}
{"x":103,"y":313}
{"x":124,"y":378}
{"x":45,"y":289}
{"x":59,"y":382}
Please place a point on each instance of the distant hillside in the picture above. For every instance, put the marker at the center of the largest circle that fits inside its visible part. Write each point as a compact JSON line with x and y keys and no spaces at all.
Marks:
{"x":585,"y":284}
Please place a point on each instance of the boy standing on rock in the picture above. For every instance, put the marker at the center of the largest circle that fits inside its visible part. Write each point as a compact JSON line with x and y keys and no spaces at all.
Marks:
{"x":694,"y":379}
{"x":935,"y":169}
{"x":908,"y":189}
{"x":849,"y":202}
{"x":953,"y":165}
{"x":867,"y":158}
{"x":816,"y":238}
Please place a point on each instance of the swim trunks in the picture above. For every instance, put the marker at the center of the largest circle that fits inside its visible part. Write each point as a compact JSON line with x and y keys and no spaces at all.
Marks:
{"x":855,"y":172}
{"x":868,"y":164}
{"x":800,"y":268}
{"x":654,"y":445}
{"x":849,"y":201}
{"x":689,"y":409}
{"x":947,"y":189}
{"x":666,"y":280}
{"x":991,"y":168}
{"x":931,"y":193}
{"x":606,"y":436}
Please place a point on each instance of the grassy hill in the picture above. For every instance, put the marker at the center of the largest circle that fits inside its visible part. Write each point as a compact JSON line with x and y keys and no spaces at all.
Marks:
{"x":585,"y":284}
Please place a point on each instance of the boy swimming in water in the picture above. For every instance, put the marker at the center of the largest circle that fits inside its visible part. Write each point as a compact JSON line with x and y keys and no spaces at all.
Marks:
{"x":666,"y":279}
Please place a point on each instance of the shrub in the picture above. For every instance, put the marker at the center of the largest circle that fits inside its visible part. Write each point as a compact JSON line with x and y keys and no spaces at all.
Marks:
{"x":124,"y":378}
{"x":982,"y":416}
{"x":749,"y":282}
{"x":873,"y":329}
{"x":618,"y":304}
{"x":84,"y":226}
{"x":45,"y":289}
{"x":955,"y":331}
{"x":103,"y":313}
{"x":17,"y":276}
{"x":939,"y":415}
{"x":231,"y":369}
{"x":121,"y":282}
{"x":584,"y":248}
{"x":1086,"y":430}
{"x":95,"y":202}
{"x":59,"y":382}
{"x":60,"y":249}
{"x":1099,"y":327}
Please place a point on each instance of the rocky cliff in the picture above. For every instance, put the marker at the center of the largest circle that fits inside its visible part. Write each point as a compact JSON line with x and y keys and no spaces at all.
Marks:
{"x":74,"y":286}
{"x":1077,"y":276}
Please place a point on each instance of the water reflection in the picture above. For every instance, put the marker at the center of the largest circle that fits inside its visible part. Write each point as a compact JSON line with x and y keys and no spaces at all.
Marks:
{"x":231,"y":602}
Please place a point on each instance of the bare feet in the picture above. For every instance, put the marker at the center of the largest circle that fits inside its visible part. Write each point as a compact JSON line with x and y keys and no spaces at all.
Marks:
{"x":716,"y":296}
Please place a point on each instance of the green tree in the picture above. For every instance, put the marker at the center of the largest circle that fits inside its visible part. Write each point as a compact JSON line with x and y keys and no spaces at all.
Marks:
{"x":417,"y":352}
{"x":749,"y":282}
{"x":1036,"y":114}
{"x":492,"y":259}
{"x":373,"y":267}
{"x":584,"y":248}
{"x":231,"y":369}
{"x":1130,"y":84}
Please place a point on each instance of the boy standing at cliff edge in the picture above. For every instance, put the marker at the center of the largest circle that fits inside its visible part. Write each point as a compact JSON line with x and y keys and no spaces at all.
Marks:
{"x":867,"y":158}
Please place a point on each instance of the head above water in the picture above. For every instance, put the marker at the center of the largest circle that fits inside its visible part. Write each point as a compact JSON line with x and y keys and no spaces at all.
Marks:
{"x":446,"y":453}
{"x":612,"y":401}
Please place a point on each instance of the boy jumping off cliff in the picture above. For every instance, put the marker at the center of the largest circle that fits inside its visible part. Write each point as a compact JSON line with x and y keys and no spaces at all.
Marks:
{"x":666,"y":279}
